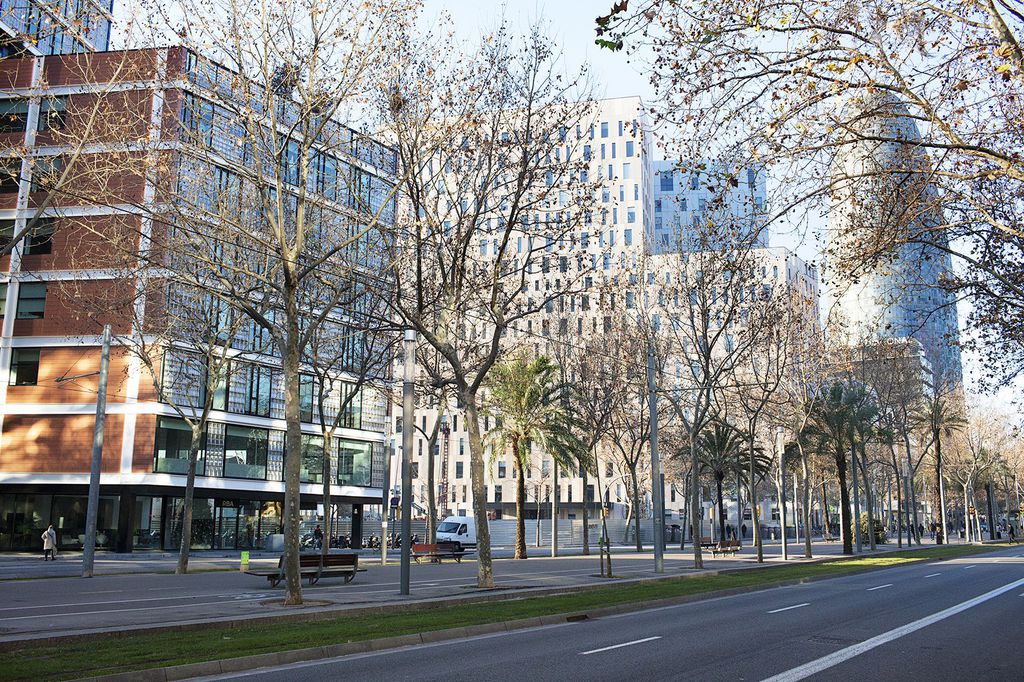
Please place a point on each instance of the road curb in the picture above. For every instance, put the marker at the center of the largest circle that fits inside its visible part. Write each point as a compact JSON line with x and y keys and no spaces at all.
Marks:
{"x":273,"y":659}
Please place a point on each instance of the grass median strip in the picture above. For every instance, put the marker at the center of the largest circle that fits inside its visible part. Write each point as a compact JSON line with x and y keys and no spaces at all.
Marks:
{"x":127,"y":651}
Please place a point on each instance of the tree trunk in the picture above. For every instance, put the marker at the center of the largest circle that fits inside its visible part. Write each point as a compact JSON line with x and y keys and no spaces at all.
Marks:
{"x":755,"y":512}
{"x":738,"y":536}
{"x":824,"y":506}
{"x":325,"y":545}
{"x":698,"y":559}
{"x":186,"y":505}
{"x":844,"y":502}
{"x":910,"y":495}
{"x":293,"y":444}
{"x":586,"y":515}
{"x":636,"y":507}
{"x":805,"y":481}
{"x":939,"y":495}
{"x":899,"y":511}
{"x":431,"y":490}
{"x":869,"y":498}
{"x":520,"y":551}
{"x":484,"y":569}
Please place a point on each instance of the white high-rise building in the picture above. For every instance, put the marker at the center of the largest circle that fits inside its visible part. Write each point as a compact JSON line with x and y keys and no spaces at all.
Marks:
{"x":687,"y":195}
{"x":900,"y":294}
{"x":619,"y":240}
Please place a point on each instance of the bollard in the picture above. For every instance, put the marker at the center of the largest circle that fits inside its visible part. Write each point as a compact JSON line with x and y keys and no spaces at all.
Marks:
{"x":245,"y":561}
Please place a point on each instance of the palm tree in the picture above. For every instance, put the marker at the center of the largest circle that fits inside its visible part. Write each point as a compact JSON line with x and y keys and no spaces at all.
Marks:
{"x":831,"y":430}
{"x":525,"y":398}
{"x":719,"y":447}
{"x":936,"y":417}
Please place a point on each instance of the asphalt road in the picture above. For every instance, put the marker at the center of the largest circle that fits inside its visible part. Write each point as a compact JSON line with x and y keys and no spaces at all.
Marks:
{"x":47,"y":607}
{"x":947,"y":620}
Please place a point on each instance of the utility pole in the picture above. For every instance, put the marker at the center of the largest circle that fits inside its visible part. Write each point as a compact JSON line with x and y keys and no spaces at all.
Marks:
{"x":92,"y":510}
{"x":408,"y":416}
{"x":657,"y":479}
{"x":780,"y":444}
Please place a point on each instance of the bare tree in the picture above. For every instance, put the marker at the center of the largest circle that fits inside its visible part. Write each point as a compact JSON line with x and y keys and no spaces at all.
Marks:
{"x":496,"y":177}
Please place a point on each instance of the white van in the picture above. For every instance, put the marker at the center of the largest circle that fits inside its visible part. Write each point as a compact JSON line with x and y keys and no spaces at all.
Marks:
{"x":458,"y":529}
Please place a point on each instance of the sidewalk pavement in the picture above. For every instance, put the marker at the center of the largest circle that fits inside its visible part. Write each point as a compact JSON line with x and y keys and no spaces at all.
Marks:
{"x":145,"y":599}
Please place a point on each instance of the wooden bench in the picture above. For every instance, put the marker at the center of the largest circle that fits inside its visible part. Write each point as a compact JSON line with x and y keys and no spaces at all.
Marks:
{"x":829,"y":538}
{"x":726,"y":547}
{"x":438,"y":551}
{"x":707,"y":542}
{"x":316,"y":566}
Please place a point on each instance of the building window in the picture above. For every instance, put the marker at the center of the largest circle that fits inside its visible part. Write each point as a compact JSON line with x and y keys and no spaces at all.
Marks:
{"x":197,"y":119}
{"x":51,"y":113}
{"x":173,"y":440}
{"x":666,"y":181}
{"x":627,"y":234}
{"x":459,"y":470}
{"x":46,"y":171}
{"x":604,"y":129}
{"x":13,"y":115}
{"x":24,"y":367}
{"x":307,"y":396}
{"x":629,"y":148}
{"x":627,"y":171}
{"x":497,"y":494}
{"x":40,"y":238}
{"x":354,"y":461}
{"x":31,"y":300}
{"x":245,"y":452}
{"x":694,"y":182}
{"x":630,"y":215}
{"x":414,"y":469}
{"x":312,"y":468}
{"x":502,"y":470}
{"x":10,"y":175}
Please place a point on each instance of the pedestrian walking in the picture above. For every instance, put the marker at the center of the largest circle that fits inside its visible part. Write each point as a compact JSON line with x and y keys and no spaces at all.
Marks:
{"x":318,"y":536}
{"x":1012,"y":533}
{"x":49,"y":538}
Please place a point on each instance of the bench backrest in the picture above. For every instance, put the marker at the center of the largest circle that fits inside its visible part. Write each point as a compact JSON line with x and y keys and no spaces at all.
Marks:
{"x":424,"y":548}
{"x":341,"y":560}
{"x":308,"y":560}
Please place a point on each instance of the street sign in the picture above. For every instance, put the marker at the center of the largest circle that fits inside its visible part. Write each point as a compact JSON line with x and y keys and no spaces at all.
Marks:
{"x":971,"y":511}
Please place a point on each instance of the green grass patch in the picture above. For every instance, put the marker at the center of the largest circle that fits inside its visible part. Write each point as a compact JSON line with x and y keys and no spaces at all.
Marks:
{"x":127,"y":652}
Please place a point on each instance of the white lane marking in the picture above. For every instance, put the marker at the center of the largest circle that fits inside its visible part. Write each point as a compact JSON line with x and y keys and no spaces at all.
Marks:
{"x":618,"y":646}
{"x":932,"y":575}
{"x":787,"y":608}
{"x":835,"y":658}
{"x":880,"y":587}
{"x":971,"y":566}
